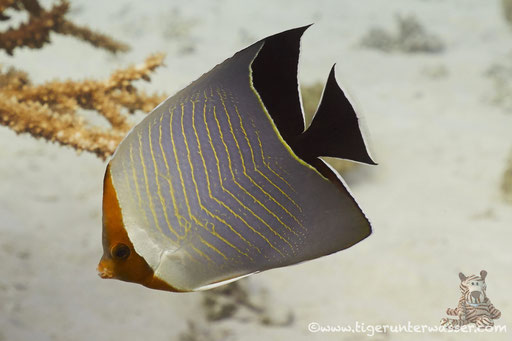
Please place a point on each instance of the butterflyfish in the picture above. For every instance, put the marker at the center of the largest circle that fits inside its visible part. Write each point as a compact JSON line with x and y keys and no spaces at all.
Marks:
{"x":221,"y":180}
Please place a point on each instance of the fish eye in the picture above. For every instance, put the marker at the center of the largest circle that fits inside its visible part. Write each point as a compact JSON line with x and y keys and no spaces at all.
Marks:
{"x":120,"y":251}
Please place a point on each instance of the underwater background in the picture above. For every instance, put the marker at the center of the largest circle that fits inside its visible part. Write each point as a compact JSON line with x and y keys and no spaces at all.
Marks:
{"x":433,"y":81}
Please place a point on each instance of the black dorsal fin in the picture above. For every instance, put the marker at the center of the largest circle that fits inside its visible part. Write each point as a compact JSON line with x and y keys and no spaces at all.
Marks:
{"x":335,"y":129}
{"x":274,"y":73}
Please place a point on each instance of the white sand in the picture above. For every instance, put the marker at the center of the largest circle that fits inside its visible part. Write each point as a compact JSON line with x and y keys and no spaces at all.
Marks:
{"x":434,"y":200}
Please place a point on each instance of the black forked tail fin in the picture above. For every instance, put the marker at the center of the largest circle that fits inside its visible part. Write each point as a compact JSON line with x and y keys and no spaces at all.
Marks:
{"x":335,"y":129}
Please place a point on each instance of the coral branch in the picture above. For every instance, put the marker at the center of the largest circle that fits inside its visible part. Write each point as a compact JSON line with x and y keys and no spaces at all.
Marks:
{"x":49,"y":110}
{"x":13,"y":79}
{"x":136,"y":101}
{"x":36,"y":32}
{"x":122,"y":78}
{"x":96,"y":39}
{"x":32,"y":6}
{"x":41,"y":122}
{"x":5,"y":4}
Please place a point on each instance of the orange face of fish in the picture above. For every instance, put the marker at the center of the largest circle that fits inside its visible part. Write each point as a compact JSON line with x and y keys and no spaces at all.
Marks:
{"x":119,"y":259}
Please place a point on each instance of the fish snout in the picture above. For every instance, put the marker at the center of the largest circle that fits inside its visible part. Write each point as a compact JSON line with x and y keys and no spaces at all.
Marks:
{"x":104,"y":270}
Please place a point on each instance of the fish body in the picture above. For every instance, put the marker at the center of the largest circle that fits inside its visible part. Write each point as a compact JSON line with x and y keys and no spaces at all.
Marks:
{"x":220,"y":181}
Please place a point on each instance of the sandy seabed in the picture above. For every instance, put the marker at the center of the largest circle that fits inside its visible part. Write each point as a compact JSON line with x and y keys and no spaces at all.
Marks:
{"x":434,"y":199}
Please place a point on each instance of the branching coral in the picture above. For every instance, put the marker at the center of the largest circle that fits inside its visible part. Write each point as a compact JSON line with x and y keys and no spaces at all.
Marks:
{"x":40,"y":121}
{"x":50,"y":111}
{"x":36,"y":32}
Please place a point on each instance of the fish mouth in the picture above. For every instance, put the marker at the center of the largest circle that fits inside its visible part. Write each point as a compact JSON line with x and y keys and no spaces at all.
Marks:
{"x":104,"y":271}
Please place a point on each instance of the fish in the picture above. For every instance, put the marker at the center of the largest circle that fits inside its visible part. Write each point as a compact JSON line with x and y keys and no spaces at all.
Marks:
{"x":222,"y":180}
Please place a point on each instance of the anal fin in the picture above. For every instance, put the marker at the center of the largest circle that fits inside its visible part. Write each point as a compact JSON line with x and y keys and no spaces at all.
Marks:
{"x":223,"y":282}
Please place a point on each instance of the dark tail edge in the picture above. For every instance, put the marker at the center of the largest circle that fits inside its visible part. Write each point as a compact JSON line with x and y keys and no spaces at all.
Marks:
{"x":335,"y":130}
